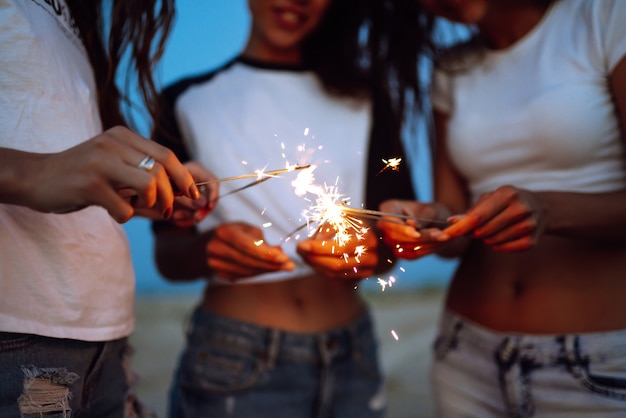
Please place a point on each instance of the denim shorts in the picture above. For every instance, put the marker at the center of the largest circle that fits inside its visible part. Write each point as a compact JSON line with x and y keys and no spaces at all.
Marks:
{"x":231,"y":368}
{"x":480,"y":373}
{"x":50,"y":377}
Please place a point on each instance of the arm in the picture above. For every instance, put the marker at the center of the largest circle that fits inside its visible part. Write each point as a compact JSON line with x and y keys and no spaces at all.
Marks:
{"x":93,"y":173}
{"x":230,"y":251}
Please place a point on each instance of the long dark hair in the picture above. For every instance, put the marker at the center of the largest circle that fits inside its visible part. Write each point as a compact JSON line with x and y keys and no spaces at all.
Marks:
{"x":373,"y":48}
{"x":137,"y":27}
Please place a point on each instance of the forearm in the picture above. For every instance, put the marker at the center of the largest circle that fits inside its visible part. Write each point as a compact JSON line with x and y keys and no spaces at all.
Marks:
{"x":17,"y":171}
{"x":181,"y":253}
{"x":595,"y":216}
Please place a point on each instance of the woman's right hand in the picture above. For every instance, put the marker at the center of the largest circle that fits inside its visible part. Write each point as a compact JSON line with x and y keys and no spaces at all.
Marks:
{"x":238,"y":250}
{"x":408,"y":238}
{"x":99,"y":171}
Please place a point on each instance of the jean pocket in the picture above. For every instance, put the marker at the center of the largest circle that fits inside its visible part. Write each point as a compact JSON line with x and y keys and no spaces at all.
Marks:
{"x":221,"y":369}
{"x":605,"y":376}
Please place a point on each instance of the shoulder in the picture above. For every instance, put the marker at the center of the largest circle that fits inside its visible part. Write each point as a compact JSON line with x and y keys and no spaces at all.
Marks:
{"x":173,"y":91}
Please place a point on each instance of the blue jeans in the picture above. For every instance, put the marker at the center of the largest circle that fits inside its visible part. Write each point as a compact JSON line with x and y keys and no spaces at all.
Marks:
{"x":41,"y":376}
{"x":237,"y":369}
{"x":481,"y":373}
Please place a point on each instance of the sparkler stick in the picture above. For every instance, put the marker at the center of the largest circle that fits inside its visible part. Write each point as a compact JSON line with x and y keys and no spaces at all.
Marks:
{"x":260,"y":175}
{"x":254,"y":183}
{"x":375,"y":214}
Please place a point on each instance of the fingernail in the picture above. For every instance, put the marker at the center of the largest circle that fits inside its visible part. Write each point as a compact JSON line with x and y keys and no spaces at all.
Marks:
{"x":194,"y":192}
{"x":167,"y":213}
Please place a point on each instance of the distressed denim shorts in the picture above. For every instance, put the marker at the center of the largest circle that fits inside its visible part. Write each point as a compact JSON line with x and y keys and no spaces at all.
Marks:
{"x":50,"y":377}
{"x":480,"y":373}
{"x":231,"y":368}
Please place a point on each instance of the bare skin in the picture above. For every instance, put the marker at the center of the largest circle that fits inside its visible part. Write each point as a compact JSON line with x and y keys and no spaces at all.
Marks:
{"x":103,"y":171}
{"x":533,"y":262}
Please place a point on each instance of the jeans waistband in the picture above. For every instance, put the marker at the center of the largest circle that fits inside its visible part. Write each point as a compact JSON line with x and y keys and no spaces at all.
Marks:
{"x":598,"y":345}
{"x":349,"y":340}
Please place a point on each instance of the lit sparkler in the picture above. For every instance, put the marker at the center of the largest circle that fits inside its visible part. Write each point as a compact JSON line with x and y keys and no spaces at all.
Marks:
{"x":391,"y":164}
{"x":258,"y":174}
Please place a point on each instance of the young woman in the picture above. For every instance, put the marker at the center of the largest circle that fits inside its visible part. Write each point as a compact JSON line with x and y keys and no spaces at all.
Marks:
{"x":530,"y":119}
{"x":281,"y":330}
{"x":66,"y":304}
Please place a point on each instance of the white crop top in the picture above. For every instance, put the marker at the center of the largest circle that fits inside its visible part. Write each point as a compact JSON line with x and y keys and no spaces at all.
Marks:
{"x":539,"y":114}
{"x":248,"y":117}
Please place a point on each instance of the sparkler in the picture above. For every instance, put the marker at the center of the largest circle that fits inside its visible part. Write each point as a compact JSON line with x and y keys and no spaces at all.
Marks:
{"x":392,"y":163}
{"x":258,"y":174}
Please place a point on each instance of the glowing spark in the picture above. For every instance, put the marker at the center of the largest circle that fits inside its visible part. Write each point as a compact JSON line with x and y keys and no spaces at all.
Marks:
{"x":394,"y":335}
{"x":391,"y":164}
{"x":267,"y":224}
{"x":382,"y":283}
{"x":328,"y":209}
{"x":259,"y":242}
{"x":402,"y":269}
{"x":306,"y":131}
{"x":359,"y":251}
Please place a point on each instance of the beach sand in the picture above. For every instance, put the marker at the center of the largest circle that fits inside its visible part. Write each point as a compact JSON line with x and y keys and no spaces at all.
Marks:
{"x":409,"y":314}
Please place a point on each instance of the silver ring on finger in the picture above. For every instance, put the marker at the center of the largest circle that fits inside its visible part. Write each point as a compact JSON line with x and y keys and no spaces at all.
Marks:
{"x":146,"y":164}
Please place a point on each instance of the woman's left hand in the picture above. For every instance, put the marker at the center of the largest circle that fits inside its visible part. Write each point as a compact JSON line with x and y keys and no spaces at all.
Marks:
{"x":357,"y":259}
{"x":507,"y":219}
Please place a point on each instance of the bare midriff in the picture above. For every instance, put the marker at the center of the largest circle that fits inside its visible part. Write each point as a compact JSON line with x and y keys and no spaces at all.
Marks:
{"x":561,"y":286}
{"x":307,"y":304}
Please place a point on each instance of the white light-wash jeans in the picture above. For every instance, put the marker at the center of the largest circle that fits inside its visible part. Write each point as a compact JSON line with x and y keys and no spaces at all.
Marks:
{"x":481,"y":373}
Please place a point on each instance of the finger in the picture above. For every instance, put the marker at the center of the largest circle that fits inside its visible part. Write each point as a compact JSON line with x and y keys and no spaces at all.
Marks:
{"x":108,"y":198}
{"x":513,"y":232}
{"x":521,"y":244}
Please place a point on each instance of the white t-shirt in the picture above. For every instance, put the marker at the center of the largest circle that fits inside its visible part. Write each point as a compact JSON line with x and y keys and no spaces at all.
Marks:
{"x":249,"y":117}
{"x":539,"y":114}
{"x":63,"y":276}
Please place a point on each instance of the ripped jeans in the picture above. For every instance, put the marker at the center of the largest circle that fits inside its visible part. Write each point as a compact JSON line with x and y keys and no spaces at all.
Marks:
{"x":481,"y":373}
{"x":41,"y":376}
{"x":237,"y":369}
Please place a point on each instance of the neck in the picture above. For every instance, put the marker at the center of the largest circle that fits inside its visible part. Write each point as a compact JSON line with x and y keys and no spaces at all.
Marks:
{"x":261,"y":52}
{"x":506,"y":23}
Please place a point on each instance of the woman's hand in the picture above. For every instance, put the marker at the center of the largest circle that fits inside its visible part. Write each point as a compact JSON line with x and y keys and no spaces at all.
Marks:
{"x":408,"y":238}
{"x":238,"y":250}
{"x":357,"y":259}
{"x":188,"y":212}
{"x":507,"y":219}
{"x":105,"y":171}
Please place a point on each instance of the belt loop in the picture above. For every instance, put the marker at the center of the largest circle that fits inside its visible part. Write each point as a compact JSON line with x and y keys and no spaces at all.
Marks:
{"x":274,"y":348}
{"x":356,"y":343}
{"x":322,"y":346}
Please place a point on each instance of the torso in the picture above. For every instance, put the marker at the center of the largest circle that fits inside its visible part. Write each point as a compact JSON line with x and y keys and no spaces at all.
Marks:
{"x":308,"y":304}
{"x":561,"y":285}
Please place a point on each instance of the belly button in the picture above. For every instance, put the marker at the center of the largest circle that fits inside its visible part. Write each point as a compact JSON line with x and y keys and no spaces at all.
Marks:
{"x":518,"y":289}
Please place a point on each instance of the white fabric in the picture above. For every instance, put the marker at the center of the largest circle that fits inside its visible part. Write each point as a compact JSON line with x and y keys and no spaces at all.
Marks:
{"x":246,"y":119}
{"x":539,"y":114}
{"x":64,"y":276}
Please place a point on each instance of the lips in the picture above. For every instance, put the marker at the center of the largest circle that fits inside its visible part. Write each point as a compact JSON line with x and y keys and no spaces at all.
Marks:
{"x":289,"y":19}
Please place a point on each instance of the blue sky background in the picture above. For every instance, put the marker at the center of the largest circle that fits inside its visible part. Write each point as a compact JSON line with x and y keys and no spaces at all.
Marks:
{"x":205,"y":35}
